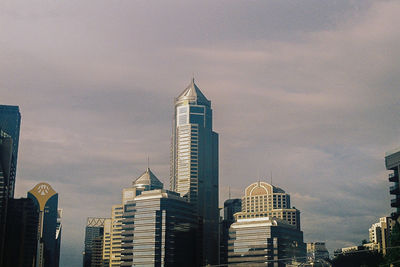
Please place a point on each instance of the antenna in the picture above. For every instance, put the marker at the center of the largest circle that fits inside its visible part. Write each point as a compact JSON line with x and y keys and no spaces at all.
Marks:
{"x":271,"y":177}
{"x":148,"y":162}
{"x":229,"y":192}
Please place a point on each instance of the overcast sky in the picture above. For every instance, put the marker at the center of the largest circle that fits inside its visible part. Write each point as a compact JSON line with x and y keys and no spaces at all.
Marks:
{"x":306,"y":90}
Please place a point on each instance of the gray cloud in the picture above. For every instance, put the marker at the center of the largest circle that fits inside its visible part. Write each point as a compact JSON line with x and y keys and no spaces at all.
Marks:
{"x":307,"y":90}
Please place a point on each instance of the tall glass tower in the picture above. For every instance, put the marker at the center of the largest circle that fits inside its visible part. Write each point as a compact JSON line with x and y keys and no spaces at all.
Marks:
{"x":194,"y":165}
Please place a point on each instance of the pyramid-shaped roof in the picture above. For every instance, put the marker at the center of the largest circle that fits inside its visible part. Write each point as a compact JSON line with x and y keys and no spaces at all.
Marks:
{"x":193,"y":94}
{"x":148,"y":180}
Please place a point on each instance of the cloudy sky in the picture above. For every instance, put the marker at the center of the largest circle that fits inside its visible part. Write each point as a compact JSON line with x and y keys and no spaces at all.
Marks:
{"x":306,"y":90}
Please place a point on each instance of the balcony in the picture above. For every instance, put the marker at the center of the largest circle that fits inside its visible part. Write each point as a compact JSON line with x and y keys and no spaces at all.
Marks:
{"x":393,"y":178}
{"x":395,"y":190}
{"x":395,"y":203}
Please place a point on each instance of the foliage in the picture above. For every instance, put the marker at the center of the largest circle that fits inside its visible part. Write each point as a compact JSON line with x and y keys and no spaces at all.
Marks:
{"x":363,"y":258}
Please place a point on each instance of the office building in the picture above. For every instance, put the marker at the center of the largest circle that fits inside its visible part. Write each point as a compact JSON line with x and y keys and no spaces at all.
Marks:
{"x":164,"y":230}
{"x":231,"y":206}
{"x":194,"y":166}
{"x":267,"y":230}
{"x":145,"y":182}
{"x":265,"y":200}
{"x":5,"y":183}
{"x":106,"y":244}
{"x":264,"y":241}
{"x":116,"y":234}
{"x":392,"y":161}
{"x":10,"y":121}
{"x":317,"y":251}
{"x":21,"y":234}
{"x":46,"y":202}
{"x":379,"y":233}
{"x":94,"y":234}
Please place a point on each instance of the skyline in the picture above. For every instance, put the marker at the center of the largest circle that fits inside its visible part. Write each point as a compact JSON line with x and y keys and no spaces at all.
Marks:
{"x":93,"y":110}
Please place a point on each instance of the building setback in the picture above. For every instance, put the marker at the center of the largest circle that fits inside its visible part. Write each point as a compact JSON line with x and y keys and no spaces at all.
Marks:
{"x":194,"y":166}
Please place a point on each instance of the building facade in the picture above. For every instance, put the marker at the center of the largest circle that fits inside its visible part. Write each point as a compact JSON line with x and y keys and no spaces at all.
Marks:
{"x":231,"y":206}
{"x":94,"y":234}
{"x":379,"y":233}
{"x":21,"y":234}
{"x":392,"y":161}
{"x":164,"y":230}
{"x":145,"y":182}
{"x":316,"y":251}
{"x":194,"y":166}
{"x":45,"y":200}
{"x":106,"y":245}
{"x":264,"y":241}
{"x":265,"y":200}
{"x":5,"y":184}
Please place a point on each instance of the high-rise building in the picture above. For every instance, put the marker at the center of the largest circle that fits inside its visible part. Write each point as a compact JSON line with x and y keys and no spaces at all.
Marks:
{"x":379,"y":233}
{"x":231,"y":206}
{"x":5,"y":177}
{"x":316,"y":251}
{"x":264,"y":241}
{"x":392,"y":160}
{"x":94,"y":234}
{"x":46,"y":203}
{"x":107,"y":242}
{"x":265,"y":200}
{"x":164,"y":230}
{"x":10,"y":121}
{"x":21,"y":234}
{"x":145,"y":182}
{"x":194,"y":166}
{"x":267,"y":230}
{"x":116,"y":235}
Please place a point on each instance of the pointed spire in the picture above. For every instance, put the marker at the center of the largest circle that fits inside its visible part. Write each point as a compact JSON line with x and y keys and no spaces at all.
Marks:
{"x":192,"y":94}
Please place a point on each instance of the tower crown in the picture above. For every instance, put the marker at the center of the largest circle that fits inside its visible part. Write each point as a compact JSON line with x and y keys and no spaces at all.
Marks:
{"x":192,"y":95}
{"x":147,"y":180}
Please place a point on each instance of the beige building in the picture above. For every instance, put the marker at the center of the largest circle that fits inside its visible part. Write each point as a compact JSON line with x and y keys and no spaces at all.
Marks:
{"x":264,"y":200}
{"x":116,"y":235}
{"x":107,"y":242}
{"x":379,"y":233}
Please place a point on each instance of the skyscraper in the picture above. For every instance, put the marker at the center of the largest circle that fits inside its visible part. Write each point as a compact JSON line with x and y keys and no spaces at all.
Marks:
{"x":164,"y":230}
{"x":264,"y":200}
{"x":5,"y":174}
{"x":267,"y":230}
{"x":94,"y":234}
{"x":194,"y":165}
{"x":392,"y":161}
{"x":231,"y":206}
{"x":46,"y":203}
{"x":10,"y":121}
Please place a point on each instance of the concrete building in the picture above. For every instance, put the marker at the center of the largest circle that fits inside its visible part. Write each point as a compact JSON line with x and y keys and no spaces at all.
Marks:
{"x":392,"y":161}
{"x":267,"y":230}
{"x":316,"y":251}
{"x":94,"y":235}
{"x":106,"y":244}
{"x":379,"y":233}
{"x":116,"y":234}
{"x":46,"y":202}
{"x":264,"y":241}
{"x":194,"y":166}
{"x":164,"y":230}
{"x":264,"y":200}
